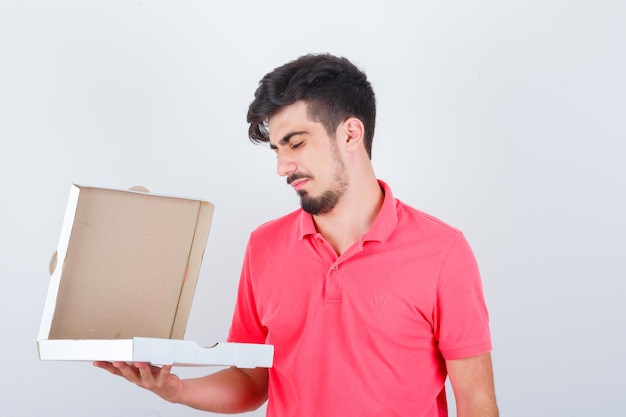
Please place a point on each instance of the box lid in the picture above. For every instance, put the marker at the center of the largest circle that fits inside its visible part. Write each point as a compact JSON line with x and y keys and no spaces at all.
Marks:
{"x":126,"y":265}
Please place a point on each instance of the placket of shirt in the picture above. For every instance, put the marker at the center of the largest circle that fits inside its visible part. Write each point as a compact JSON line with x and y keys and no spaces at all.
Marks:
{"x":335,"y":272}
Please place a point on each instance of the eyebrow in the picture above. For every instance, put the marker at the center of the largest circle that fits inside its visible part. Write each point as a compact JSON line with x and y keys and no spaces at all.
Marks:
{"x":285,"y":140}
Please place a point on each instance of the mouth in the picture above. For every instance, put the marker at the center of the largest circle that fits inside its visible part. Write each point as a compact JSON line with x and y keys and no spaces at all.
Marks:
{"x":297,"y":181}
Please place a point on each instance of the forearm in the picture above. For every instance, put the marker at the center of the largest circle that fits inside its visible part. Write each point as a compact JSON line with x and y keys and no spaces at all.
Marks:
{"x":228,"y":391}
{"x":484,"y":407}
{"x":472,"y":382}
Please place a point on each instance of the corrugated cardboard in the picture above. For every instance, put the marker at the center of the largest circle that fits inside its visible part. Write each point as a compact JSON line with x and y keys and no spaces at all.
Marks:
{"x":123,"y":281}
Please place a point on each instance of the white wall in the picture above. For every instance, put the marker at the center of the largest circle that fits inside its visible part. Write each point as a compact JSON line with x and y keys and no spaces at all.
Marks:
{"x":506,"y":119}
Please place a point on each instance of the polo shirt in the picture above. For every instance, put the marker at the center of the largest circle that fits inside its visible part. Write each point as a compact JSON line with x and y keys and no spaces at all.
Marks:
{"x":367,"y":332}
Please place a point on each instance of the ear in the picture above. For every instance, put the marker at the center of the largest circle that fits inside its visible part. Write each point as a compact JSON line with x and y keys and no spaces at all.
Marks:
{"x":354,"y":130}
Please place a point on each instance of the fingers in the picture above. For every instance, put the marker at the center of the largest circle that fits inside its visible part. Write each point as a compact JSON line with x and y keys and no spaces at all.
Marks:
{"x":140,"y":373}
{"x":107,"y":366}
{"x":129,"y":371}
{"x":164,"y":374}
{"x":159,"y":380}
{"x":150,"y":377}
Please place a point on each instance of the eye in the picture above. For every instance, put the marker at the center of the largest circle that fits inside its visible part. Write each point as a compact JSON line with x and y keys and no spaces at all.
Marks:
{"x":296,"y":145}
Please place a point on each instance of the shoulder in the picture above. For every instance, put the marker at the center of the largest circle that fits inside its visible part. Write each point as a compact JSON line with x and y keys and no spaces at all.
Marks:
{"x":278,"y":227}
{"x":413,"y":218}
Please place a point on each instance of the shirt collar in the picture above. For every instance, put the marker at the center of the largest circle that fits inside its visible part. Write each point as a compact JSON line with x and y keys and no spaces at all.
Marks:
{"x":381,"y":229}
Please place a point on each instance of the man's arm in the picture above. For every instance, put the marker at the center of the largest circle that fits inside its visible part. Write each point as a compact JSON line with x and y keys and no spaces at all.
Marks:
{"x":232,"y":390}
{"x":472,"y":383}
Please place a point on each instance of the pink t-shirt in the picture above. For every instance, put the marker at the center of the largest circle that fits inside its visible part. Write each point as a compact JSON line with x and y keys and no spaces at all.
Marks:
{"x":365,"y":333}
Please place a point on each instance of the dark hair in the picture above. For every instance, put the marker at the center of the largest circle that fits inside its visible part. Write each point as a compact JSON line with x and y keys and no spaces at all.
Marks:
{"x":333,"y":88}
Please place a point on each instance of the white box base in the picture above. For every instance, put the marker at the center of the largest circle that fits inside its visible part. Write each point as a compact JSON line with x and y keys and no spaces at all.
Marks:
{"x":158,"y":352}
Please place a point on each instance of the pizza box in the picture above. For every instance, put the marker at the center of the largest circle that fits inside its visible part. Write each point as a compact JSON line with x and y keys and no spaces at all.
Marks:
{"x":123,"y":279}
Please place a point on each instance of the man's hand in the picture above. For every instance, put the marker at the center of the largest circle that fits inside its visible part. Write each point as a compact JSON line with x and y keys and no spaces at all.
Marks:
{"x":231,"y":390}
{"x":159,"y":380}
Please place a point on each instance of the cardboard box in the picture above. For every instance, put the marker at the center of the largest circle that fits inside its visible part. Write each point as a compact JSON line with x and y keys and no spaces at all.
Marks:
{"x":123,"y":279}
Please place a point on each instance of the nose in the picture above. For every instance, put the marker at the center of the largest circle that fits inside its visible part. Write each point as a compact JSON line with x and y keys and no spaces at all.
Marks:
{"x":285,"y":165}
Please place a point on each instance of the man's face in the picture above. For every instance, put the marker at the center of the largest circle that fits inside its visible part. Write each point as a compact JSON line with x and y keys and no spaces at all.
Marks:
{"x":308,"y":157}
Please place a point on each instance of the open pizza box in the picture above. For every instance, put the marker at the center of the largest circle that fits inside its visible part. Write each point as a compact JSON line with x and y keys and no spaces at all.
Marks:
{"x":123,"y":279}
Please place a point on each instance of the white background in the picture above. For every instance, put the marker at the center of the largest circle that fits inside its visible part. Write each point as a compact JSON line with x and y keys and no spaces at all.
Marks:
{"x":505,"y":119}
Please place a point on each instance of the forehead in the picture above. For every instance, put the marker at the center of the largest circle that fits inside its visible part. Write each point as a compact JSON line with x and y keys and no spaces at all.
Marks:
{"x":289,"y":119}
{"x":293,"y":113}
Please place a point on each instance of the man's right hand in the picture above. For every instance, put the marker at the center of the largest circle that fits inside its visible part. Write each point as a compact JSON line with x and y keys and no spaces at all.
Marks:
{"x":231,"y":390}
{"x":159,"y":380}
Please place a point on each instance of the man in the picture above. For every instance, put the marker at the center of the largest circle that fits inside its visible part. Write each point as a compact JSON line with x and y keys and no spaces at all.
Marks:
{"x":369,"y":303}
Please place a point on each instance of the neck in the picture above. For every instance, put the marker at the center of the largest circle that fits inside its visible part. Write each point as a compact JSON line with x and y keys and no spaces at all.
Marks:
{"x":353,"y":216}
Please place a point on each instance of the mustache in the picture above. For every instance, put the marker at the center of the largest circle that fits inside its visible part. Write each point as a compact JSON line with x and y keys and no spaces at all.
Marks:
{"x":296,"y":176}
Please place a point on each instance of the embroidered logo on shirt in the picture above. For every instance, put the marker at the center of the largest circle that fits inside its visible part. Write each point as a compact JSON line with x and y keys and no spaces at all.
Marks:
{"x":381,"y":298}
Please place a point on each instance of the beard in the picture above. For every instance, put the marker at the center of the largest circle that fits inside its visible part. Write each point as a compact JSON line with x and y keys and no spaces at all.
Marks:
{"x":329,"y":198}
{"x":321,"y":204}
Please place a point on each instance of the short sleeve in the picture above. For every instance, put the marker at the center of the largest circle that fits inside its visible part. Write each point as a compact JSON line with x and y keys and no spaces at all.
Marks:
{"x":246,"y":326}
{"x":461,"y":318}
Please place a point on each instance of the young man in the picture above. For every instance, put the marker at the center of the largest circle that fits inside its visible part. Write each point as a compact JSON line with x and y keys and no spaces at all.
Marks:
{"x":369,"y":303}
